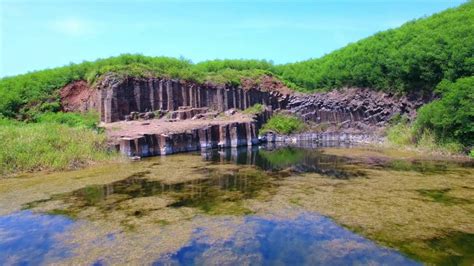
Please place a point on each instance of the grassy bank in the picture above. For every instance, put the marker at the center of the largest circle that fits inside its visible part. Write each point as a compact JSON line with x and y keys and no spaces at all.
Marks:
{"x":56,"y":143}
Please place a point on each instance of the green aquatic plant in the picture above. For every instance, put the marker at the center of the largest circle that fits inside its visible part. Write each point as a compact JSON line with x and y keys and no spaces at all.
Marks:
{"x":441,"y":196}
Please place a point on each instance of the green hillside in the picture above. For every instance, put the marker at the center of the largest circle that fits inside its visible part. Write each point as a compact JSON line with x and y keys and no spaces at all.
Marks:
{"x":414,"y":57}
{"x":23,"y":96}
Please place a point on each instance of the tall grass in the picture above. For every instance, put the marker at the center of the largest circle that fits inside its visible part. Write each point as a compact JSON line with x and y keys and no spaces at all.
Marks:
{"x":403,"y":134}
{"x":48,"y":146}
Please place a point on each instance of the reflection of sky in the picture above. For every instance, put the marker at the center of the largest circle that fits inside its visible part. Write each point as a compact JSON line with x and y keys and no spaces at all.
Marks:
{"x":307,"y":240}
{"x":30,"y":239}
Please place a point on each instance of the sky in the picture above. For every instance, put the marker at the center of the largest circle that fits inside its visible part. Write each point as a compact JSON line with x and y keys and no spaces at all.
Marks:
{"x":39,"y":34}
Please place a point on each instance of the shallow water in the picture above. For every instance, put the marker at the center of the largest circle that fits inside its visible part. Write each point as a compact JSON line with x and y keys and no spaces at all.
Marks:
{"x":262,"y":205}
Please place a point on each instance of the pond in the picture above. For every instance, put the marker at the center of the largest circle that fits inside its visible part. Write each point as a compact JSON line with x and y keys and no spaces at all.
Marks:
{"x":261,"y":205}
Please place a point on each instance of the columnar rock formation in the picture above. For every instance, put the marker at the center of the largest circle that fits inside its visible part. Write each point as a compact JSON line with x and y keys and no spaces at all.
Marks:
{"x":132,"y":98}
{"x":214,"y":134}
{"x":119,"y":97}
{"x":352,"y":107}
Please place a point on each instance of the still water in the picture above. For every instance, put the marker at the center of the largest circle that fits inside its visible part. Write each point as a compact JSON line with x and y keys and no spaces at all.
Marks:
{"x":264,"y":205}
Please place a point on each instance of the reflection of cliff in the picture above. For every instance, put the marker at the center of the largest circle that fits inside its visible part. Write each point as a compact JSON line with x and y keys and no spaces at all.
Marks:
{"x":215,"y":191}
{"x":295,"y":159}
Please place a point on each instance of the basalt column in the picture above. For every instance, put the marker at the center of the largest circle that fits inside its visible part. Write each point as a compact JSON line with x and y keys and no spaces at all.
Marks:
{"x":118,"y":98}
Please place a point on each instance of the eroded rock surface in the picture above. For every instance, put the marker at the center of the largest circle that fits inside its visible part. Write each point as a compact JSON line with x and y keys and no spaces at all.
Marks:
{"x":355,"y":108}
{"x":119,"y":97}
{"x":156,"y":116}
{"x":162,"y":137}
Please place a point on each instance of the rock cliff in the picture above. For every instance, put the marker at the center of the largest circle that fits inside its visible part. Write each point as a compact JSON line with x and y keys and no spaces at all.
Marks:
{"x":119,"y":97}
{"x":353,"y":108}
{"x":170,"y":116}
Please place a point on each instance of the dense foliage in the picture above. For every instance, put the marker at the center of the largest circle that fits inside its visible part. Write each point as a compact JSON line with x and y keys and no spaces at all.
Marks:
{"x":450,"y":118}
{"x":283,"y":124}
{"x":414,"y":57}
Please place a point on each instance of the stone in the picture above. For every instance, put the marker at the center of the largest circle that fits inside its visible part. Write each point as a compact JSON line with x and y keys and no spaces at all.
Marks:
{"x":119,"y":97}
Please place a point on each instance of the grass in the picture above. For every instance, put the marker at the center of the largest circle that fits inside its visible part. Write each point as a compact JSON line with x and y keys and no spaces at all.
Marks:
{"x":28,"y":147}
{"x":403,"y":135}
{"x":283,"y":124}
{"x":254,"y":109}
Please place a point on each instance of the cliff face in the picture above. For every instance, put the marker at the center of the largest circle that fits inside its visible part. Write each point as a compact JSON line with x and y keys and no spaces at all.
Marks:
{"x":116,"y":98}
{"x":119,"y":97}
{"x":202,"y":116}
{"x":361,"y":109}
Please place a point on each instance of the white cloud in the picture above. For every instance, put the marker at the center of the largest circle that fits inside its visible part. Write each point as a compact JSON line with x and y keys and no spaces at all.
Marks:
{"x":74,"y":27}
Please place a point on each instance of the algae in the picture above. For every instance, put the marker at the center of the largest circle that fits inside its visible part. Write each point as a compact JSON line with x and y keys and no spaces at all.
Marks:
{"x":422,"y":207}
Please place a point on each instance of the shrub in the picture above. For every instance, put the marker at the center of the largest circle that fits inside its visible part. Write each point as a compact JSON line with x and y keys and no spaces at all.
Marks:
{"x":283,"y":124}
{"x":451,"y":118}
{"x":400,"y":132}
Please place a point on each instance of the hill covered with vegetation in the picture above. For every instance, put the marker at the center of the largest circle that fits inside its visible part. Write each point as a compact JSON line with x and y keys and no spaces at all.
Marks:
{"x":412,"y":58}
{"x":38,"y":91}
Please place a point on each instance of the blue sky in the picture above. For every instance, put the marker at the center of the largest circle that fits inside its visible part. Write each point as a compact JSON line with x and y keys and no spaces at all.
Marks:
{"x":36,"y":34}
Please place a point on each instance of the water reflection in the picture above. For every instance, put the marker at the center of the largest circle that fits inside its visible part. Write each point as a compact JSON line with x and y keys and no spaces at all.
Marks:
{"x":304,"y":239}
{"x":215,"y":186}
{"x":206,"y":194}
{"x":290,"y":158}
{"x":27,"y":238}
{"x":308,"y":239}
{"x":238,"y":183}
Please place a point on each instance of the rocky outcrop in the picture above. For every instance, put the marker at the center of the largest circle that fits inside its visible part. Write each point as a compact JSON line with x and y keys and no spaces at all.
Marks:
{"x":121,"y":96}
{"x":207,"y":136}
{"x":352,"y":107}
{"x":316,"y":139}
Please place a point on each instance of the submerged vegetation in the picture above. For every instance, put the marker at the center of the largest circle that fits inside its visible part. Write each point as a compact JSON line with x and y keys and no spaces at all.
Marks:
{"x":132,"y":205}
